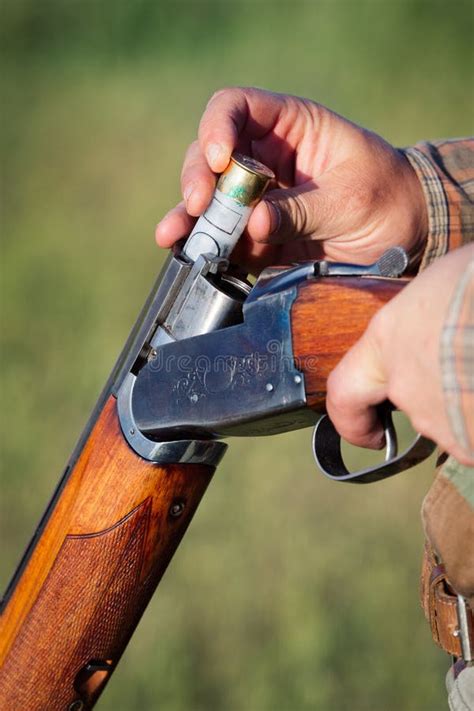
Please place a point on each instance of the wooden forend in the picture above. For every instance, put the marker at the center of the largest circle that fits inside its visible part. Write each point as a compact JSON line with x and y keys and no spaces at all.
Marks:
{"x":104,"y":548}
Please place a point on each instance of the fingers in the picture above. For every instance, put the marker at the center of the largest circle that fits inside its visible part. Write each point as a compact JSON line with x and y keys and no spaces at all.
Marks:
{"x":234,"y":118}
{"x":223,"y":120}
{"x":284,"y":215}
{"x":175,"y":225}
{"x":197,"y":181}
{"x":219,"y":129}
{"x":355,"y":386}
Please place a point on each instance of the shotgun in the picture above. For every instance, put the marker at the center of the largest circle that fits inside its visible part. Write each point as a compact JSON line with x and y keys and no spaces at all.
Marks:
{"x":211,"y":356}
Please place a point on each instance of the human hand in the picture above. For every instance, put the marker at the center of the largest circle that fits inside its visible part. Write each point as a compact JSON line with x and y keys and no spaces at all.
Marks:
{"x":398,"y":358}
{"x":341,"y":192}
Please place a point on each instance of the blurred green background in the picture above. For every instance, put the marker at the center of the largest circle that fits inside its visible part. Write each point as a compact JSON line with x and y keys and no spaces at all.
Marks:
{"x":289,"y":593}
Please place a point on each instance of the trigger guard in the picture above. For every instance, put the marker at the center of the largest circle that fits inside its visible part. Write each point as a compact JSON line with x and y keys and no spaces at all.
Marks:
{"x":328,"y":456}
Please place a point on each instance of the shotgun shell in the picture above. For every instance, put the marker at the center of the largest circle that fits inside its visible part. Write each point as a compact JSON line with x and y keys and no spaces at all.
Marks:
{"x":244,"y":180}
{"x":238,"y":190}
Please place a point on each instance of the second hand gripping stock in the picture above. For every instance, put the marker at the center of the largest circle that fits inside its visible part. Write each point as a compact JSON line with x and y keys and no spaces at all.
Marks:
{"x":211,"y":356}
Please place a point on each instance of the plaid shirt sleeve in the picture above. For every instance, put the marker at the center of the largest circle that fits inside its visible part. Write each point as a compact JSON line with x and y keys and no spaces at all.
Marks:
{"x":446,"y":172}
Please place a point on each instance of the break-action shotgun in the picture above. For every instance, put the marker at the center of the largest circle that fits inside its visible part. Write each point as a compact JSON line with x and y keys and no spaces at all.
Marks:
{"x":211,"y":356}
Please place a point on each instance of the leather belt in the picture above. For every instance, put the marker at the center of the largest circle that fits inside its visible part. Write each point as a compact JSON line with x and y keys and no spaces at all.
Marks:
{"x":450,"y":617}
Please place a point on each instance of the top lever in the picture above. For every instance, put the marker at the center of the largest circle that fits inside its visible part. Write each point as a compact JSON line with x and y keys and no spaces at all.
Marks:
{"x":392,"y":263}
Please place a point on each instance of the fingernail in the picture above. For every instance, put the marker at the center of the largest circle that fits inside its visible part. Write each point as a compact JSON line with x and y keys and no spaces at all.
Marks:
{"x":188,"y":191}
{"x":213,"y":153}
{"x":275,"y":216}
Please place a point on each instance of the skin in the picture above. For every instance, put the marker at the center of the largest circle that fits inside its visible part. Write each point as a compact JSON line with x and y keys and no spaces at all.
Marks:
{"x":345,"y":194}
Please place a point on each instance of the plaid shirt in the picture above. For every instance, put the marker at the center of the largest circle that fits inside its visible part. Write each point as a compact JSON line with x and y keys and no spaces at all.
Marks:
{"x":446,"y":172}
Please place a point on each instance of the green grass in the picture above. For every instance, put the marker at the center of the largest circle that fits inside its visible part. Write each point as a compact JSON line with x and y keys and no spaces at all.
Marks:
{"x":289,"y":593}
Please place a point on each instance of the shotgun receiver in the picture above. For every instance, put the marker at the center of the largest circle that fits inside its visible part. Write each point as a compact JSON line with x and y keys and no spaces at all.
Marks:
{"x":210,"y":357}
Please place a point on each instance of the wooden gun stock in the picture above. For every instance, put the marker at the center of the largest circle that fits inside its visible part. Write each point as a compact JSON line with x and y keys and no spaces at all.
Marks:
{"x":327,"y":318}
{"x":106,"y":541}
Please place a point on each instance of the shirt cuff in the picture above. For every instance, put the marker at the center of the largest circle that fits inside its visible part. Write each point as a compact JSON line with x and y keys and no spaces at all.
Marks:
{"x":445,"y":170}
{"x":431,"y":181}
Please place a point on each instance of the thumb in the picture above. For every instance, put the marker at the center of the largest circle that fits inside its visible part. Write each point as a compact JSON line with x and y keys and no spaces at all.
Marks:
{"x":302,"y":212}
